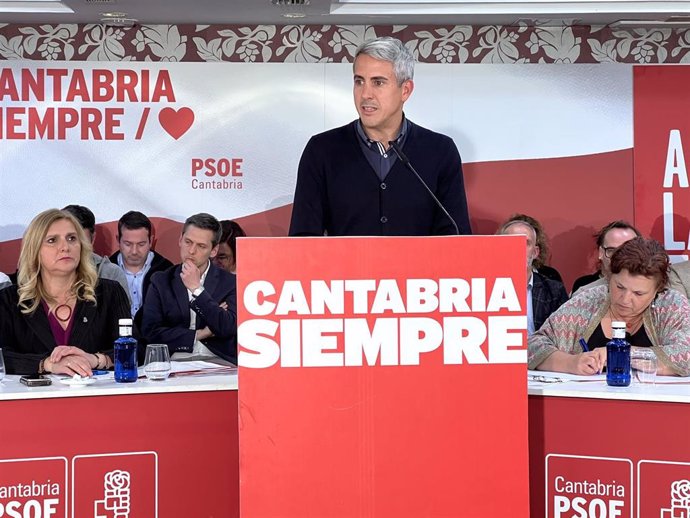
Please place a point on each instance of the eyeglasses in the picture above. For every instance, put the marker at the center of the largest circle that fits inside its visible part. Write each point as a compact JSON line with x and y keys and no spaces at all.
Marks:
{"x":608,"y":250}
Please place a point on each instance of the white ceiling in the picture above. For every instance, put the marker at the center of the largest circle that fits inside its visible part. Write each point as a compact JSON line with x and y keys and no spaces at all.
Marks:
{"x":318,"y":12}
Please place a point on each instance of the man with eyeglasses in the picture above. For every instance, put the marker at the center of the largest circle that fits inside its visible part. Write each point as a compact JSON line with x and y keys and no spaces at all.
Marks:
{"x":609,"y":238}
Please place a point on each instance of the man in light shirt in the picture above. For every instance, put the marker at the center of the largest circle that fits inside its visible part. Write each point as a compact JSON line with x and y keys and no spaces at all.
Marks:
{"x":192,"y":307}
{"x":136,"y":257}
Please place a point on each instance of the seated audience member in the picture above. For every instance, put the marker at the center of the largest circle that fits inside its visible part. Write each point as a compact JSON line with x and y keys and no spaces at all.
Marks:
{"x":135,"y":256}
{"x":609,"y":238}
{"x":192,"y":307}
{"x":539,"y":262}
{"x":544,"y":296}
{"x":636,"y":294}
{"x":60,"y":317}
{"x":104,"y":268}
{"x":4,"y":280}
{"x":227,"y":248}
{"x":679,"y":277}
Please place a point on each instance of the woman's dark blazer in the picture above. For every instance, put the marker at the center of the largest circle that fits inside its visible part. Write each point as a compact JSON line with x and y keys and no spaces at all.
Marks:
{"x":26,"y":339}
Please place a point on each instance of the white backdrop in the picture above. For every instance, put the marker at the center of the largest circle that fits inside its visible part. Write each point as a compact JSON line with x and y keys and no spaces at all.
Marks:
{"x":264,"y":114}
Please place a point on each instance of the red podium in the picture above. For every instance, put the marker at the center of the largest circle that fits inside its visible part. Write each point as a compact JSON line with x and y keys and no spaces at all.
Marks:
{"x":383,"y":377}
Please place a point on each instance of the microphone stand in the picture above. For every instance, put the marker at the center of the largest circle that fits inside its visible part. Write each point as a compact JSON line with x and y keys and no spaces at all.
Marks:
{"x":406,"y":161}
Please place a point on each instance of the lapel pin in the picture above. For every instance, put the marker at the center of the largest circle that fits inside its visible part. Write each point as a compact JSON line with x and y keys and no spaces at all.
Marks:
{"x":85,"y":320}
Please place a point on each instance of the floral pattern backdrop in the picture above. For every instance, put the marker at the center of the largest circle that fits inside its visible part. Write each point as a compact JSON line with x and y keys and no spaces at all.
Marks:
{"x":336,"y":43}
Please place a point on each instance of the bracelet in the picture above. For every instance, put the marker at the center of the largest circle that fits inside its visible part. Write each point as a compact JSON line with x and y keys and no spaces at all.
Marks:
{"x":98,"y":360}
{"x":105,"y":361}
{"x":41,"y":366}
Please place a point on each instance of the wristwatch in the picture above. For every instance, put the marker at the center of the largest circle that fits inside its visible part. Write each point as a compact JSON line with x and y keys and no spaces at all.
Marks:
{"x":198,"y":291}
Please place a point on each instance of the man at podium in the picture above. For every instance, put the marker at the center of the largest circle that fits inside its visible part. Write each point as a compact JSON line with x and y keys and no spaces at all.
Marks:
{"x":381,"y":174}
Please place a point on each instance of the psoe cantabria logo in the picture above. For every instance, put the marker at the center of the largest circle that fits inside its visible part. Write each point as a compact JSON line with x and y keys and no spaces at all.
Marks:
{"x":34,"y":499}
{"x":115,"y":485}
{"x":680,"y":500}
{"x":579,"y":486}
{"x":33,"y":488}
{"x":116,"y":495}
{"x":217,"y":173}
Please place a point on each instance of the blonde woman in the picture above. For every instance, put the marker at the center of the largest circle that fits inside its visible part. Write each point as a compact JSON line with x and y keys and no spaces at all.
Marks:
{"x":60,"y":318}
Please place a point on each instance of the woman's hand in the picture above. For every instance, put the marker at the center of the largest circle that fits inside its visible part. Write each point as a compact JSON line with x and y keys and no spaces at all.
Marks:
{"x":70,"y":365}
{"x":67,"y":359}
{"x":589,"y":363}
{"x":584,"y":364}
{"x":62,"y":351}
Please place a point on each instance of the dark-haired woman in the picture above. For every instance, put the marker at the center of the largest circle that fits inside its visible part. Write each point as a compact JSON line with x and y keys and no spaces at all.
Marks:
{"x":636,"y":294}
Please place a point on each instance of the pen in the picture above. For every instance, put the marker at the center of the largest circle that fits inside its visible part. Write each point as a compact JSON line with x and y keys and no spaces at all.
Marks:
{"x":96,"y":372}
{"x":585,"y":348}
{"x":583,"y":344}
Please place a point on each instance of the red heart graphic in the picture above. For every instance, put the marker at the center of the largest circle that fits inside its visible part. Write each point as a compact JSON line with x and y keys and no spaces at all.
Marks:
{"x":176,"y":122}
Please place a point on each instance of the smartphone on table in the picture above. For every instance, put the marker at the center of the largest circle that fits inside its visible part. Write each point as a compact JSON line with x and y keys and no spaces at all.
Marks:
{"x":35,"y":380}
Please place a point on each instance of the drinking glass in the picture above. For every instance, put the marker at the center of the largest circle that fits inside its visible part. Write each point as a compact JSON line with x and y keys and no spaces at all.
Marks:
{"x":157,"y":362}
{"x":644,"y":362}
{"x":2,"y":367}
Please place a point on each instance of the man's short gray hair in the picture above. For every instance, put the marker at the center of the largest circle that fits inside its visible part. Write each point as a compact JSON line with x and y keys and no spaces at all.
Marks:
{"x":512,"y":222}
{"x":391,"y":50}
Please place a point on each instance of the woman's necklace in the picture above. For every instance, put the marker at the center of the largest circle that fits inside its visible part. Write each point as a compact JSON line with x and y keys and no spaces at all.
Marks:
{"x":63,"y":311}
{"x":632,"y":325}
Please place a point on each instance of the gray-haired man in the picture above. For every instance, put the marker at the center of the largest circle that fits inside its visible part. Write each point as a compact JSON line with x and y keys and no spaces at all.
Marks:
{"x":351,"y":180}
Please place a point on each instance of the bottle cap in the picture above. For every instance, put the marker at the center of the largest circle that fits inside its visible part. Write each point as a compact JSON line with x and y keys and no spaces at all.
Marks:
{"x":618,"y":325}
{"x":125,"y":322}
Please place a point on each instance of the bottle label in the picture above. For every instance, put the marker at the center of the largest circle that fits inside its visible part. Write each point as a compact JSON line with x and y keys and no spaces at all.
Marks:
{"x":618,"y":329}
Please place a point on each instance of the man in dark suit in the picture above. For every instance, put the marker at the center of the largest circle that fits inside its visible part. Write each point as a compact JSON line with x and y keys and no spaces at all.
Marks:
{"x":547,"y":296}
{"x":192,"y":307}
{"x":544,"y":296}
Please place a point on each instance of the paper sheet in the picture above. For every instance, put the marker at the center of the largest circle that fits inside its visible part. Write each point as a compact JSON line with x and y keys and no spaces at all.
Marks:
{"x":547,"y":377}
{"x":561,"y":377}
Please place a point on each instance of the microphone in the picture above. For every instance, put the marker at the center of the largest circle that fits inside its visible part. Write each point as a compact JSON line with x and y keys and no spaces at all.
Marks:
{"x":406,"y":161}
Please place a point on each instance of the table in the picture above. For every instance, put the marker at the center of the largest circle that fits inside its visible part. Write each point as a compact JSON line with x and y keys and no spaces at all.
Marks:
{"x":600,"y":451}
{"x":148,"y":448}
{"x":178,"y":441}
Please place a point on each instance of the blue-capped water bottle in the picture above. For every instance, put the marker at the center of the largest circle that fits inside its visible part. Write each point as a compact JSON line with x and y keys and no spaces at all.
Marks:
{"x":618,"y":357}
{"x":125,"y":353}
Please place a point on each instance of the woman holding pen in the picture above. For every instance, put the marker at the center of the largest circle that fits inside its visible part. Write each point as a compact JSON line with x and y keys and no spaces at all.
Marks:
{"x":573,"y":338}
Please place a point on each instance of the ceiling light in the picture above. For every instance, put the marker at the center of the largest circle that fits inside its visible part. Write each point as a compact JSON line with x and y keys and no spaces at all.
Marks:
{"x":114,"y":14}
{"x":292,"y":8}
{"x":34,"y":6}
{"x":651,"y":24}
{"x":539,"y":8}
{"x":119,"y":22}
